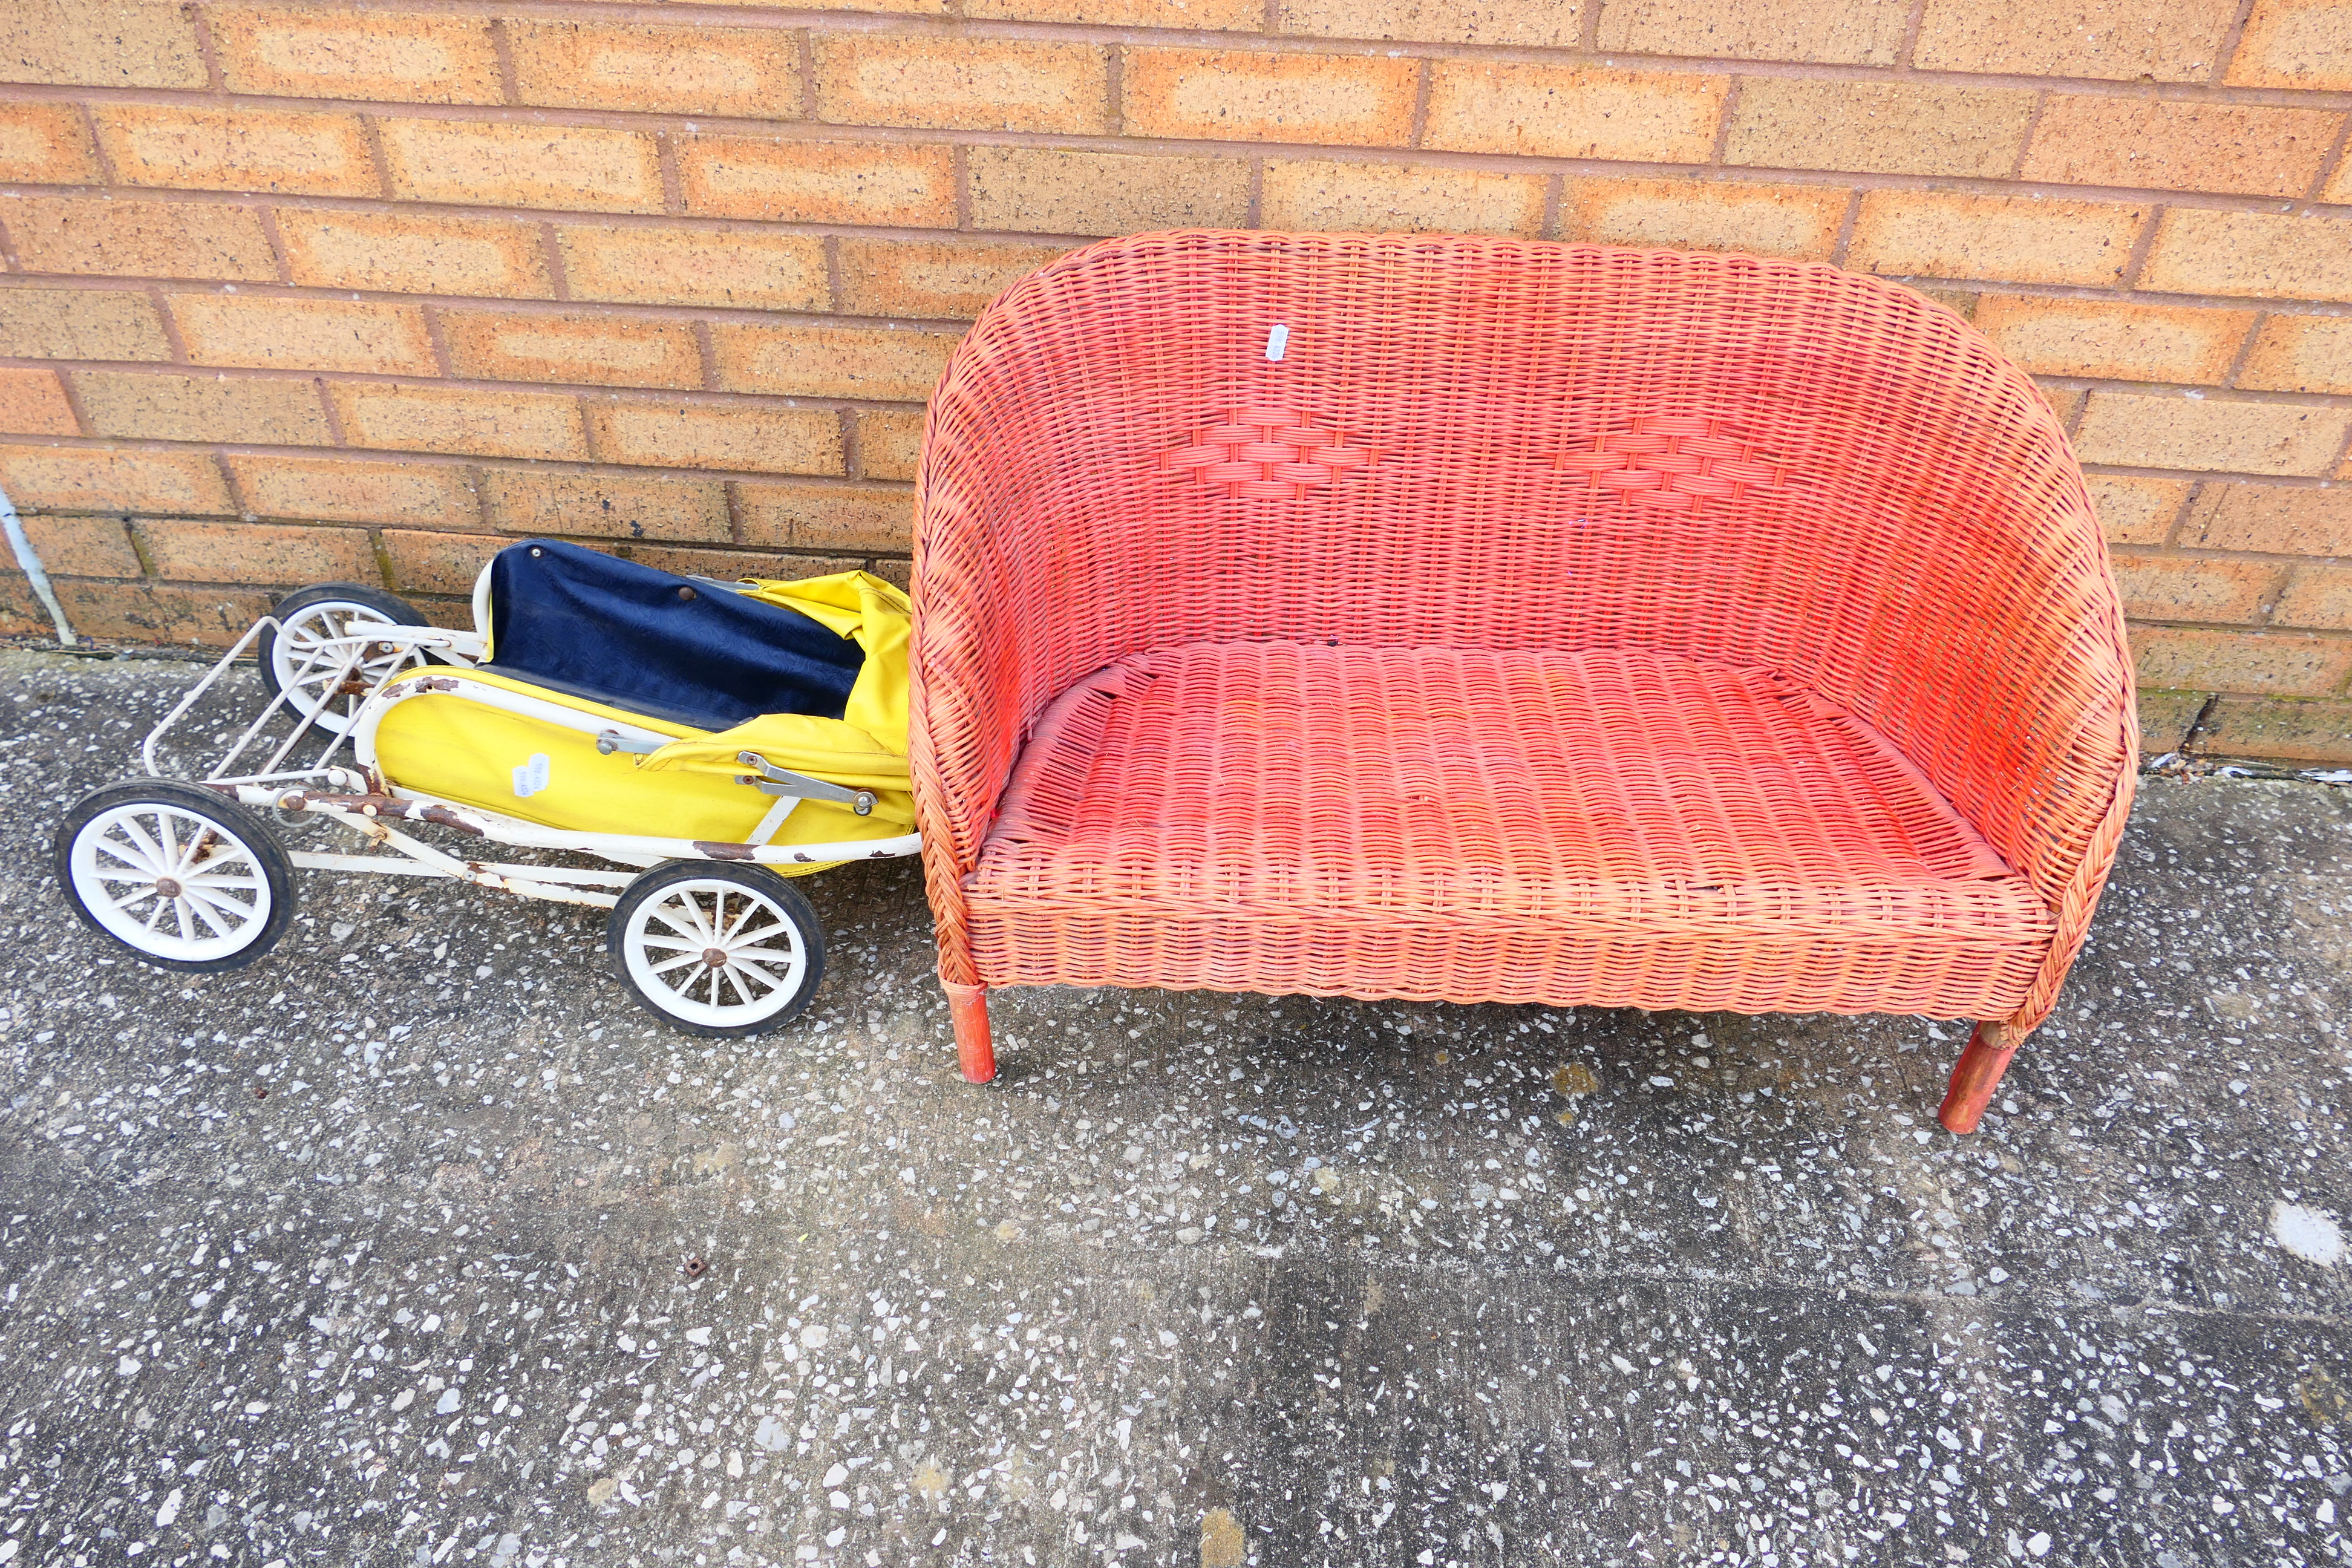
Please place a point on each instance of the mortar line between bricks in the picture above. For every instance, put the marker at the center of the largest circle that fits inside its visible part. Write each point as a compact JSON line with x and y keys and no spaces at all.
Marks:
{"x":2025,"y":141}
{"x":1588,"y":27}
{"x":717,"y":549}
{"x":807,"y":56}
{"x":1115,"y":90}
{"x":101,"y":282}
{"x":707,"y":350}
{"x":72,"y":395}
{"x":1429,"y":157}
{"x":2327,"y":636}
{"x":2342,"y":463}
{"x":136,"y":538}
{"x":626,"y":310}
{"x":106,"y":172}
{"x":1424,"y":82}
{"x":731,"y":396}
{"x":673,"y":184}
{"x":1555,"y":207}
{"x":2245,"y":351}
{"x":2192,"y":552}
{"x":598,"y":392}
{"x":370,"y":137}
{"x":1842,"y":246}
{"x":1906,"y":53}
{"x":2225,"y":52}
{"x":502,"y":51}
{"x":872,"y":24}
{"x":385,"y":576}
{"x":551,"y":257}
{"x":2177,"y":523}
{"x":274,"y":237}
{"x":477,"y":493}
{"x":2333,"y":400}
{"x":645,"y":120}
{"x":2142,"y":243}
{"x":2094,"y":293}
{"x":2209,"y":477}
{"x":850,"y":464}
{"x":1726,"y":114}
{"x":238,"y":497}
{"x":436,"y":334}
{"x":2198,"y":723}
{"x":200,"y":25}
{"x":2337,"y":158}
{"x":170,"y":319}
{"x":623,"y":470}
{"x":573,"y":468}
{"x":333,"y":415}
{"x":2282,"y":581}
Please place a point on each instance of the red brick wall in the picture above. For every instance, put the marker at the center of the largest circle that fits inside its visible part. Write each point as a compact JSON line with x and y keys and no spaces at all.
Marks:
{"x":301,"y":291}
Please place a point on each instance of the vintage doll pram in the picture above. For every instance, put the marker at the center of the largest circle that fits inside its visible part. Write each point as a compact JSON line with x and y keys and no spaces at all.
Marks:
{"x":714,"y":738}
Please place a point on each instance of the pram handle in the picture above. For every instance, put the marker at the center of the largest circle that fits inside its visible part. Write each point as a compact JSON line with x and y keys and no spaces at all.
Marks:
{"x":772,"y":780}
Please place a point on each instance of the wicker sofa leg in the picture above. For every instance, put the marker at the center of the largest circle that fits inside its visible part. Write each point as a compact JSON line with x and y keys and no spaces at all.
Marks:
{"x":968,"y":1006}
{"x":1978,"y":1074}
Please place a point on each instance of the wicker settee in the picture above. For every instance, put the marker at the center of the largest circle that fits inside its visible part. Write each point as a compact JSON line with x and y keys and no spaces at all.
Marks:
{"x":1486,"y":620}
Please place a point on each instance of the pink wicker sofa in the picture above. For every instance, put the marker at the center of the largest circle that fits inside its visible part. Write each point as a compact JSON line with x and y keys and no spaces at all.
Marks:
{"x":1488,"y":620}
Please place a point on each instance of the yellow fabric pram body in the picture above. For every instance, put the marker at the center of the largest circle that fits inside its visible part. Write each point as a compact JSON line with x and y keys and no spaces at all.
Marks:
{"x":508,"y":745}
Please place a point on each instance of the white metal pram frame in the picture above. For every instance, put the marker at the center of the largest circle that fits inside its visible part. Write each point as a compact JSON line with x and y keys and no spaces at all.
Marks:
{"x":357,"y":795}
{"x":707,"y":934}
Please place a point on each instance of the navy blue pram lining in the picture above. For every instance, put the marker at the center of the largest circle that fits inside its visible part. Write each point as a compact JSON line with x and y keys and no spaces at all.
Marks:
{"x":590,"y":624}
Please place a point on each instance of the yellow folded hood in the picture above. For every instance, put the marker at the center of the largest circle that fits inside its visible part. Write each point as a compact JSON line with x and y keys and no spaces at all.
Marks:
{"x":866,"y":748}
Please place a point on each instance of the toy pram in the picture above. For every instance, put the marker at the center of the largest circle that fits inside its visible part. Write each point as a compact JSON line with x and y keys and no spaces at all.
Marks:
{"x":716,"y":738}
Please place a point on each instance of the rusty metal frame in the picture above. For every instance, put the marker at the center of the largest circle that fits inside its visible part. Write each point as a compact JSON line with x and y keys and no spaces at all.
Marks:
{"x":354,"y":793}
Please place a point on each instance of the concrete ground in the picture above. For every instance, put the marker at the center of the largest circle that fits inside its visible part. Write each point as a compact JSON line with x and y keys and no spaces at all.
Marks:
{"x":416,"y":1243}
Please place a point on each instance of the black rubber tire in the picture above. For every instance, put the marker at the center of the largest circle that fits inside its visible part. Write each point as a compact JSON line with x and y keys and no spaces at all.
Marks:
{"x":779,"y":890}
{"x":391,"y":606}
{"x":247,"y":825}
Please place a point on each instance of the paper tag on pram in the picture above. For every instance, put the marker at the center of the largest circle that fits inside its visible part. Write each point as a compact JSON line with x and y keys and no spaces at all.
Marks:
{"x":531,"y":777}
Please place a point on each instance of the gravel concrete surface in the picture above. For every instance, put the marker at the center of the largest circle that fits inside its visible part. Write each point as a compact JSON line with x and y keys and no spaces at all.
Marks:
{"x":418,"y":1243}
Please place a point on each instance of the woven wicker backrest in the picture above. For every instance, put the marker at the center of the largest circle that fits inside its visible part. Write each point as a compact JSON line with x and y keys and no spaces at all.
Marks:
{"x":1509,"y":444}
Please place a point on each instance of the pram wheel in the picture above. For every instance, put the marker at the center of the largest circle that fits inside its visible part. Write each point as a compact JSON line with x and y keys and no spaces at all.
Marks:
{"x":716,"y":949}
{"x":292,"y":661}
{"x":180,"y":875}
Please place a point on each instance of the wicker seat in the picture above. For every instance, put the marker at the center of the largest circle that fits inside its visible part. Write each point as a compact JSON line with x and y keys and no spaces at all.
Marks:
{"x":1545,"y":624}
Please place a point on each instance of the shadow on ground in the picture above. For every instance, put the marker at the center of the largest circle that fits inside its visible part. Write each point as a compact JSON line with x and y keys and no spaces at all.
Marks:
{"x":417,"y":1244}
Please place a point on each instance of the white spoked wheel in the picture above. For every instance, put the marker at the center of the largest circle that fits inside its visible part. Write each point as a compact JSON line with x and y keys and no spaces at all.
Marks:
{"x":308,"y":658}
{"x":182,"y":878}
{"x":718,"y":949}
